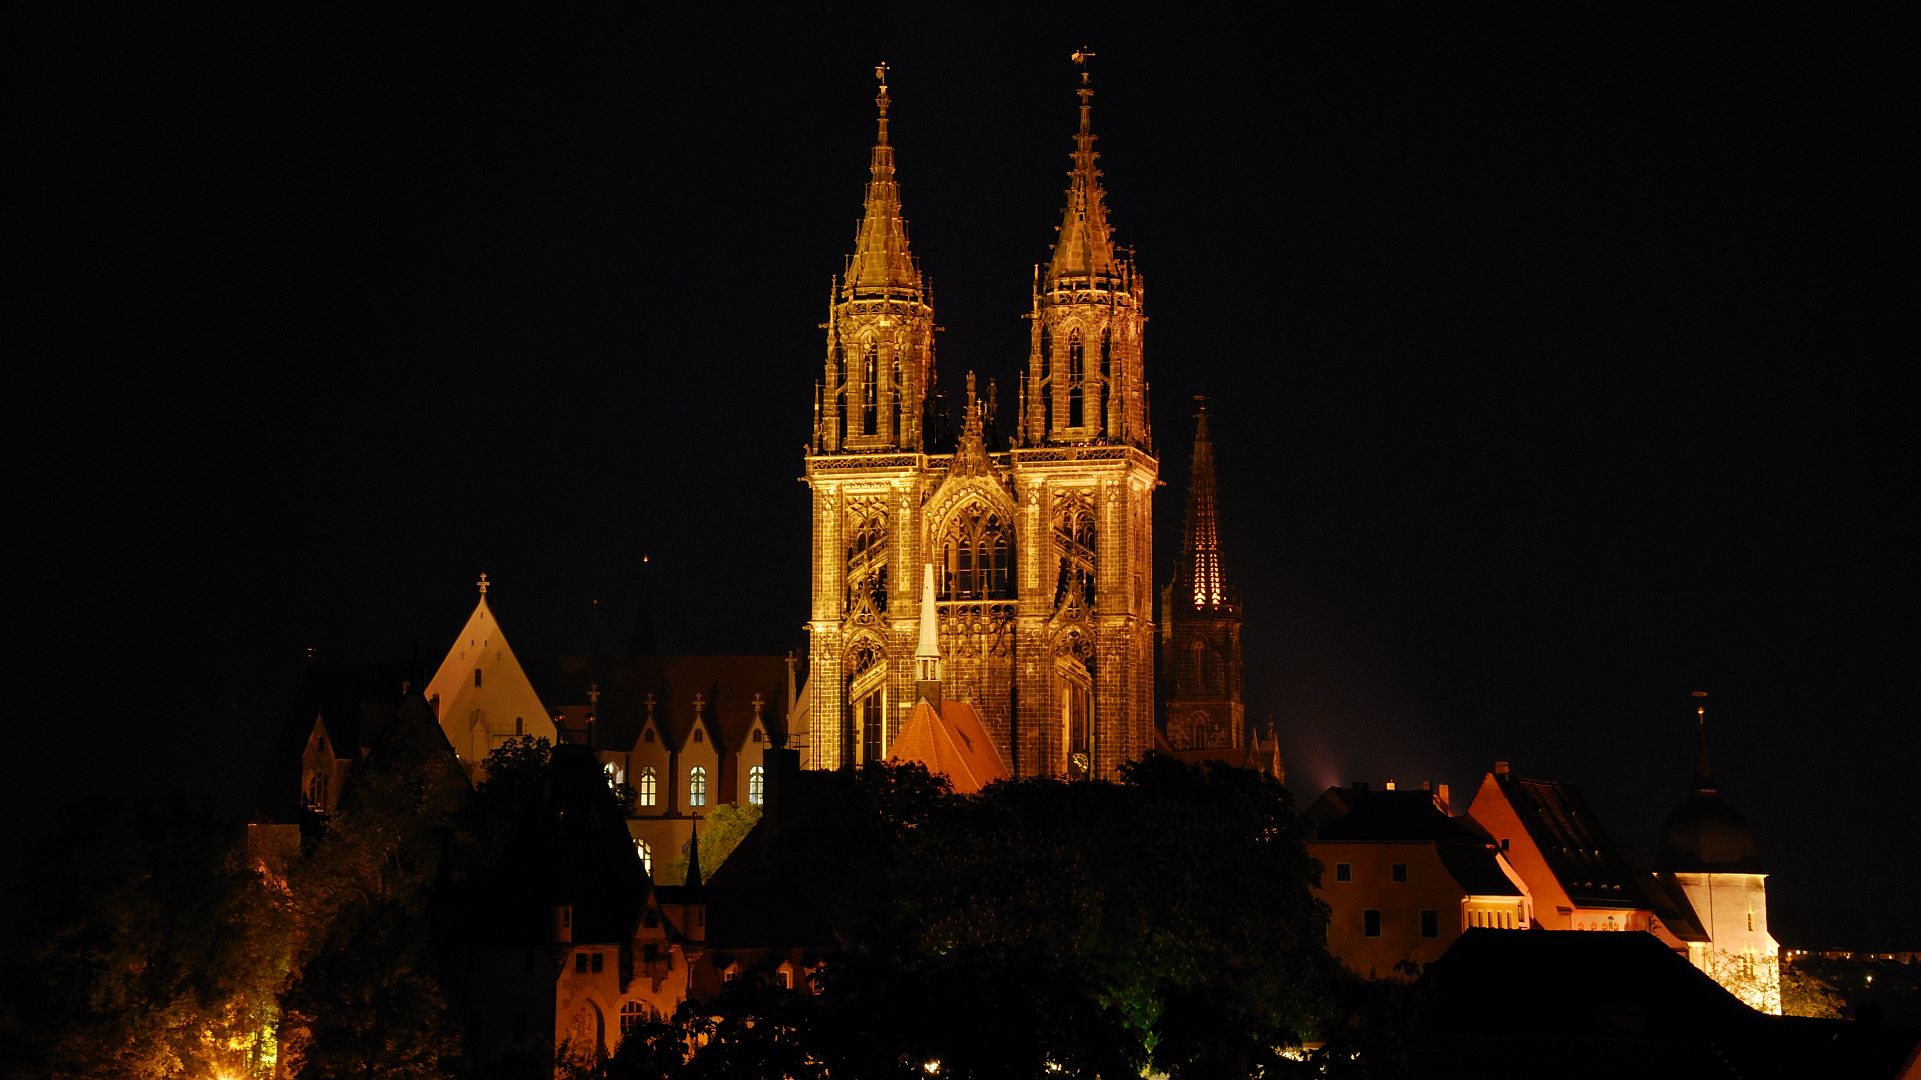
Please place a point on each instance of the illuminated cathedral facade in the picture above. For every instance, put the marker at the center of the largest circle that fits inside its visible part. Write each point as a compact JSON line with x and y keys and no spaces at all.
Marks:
{"x":1041,"y":548}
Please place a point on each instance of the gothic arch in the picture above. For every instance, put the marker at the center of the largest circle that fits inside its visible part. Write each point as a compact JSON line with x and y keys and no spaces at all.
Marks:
{"x":968,"y":514}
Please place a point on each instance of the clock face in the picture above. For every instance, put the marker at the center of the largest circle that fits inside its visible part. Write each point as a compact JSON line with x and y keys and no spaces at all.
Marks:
{"x":1078,"y":763}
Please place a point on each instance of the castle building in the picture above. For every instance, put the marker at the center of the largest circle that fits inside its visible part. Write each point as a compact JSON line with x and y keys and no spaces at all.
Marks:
{"x":1042,"y":549}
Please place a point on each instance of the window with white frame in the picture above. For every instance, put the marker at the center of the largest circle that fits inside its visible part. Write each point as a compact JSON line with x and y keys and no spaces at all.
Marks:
{"x":757,"y":785}
{"x":649,"y":786}
{"x":697,"y":786}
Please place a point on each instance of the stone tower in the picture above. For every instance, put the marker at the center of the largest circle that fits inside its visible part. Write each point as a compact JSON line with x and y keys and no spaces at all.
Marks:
{"x":1201,"y":662}
{"x":1041,"y":552}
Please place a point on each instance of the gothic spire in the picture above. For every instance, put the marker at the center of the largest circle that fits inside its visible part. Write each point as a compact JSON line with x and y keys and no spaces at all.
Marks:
{"x":1084,"y":251}
{"x":927,"y":653}
{"x":1200,"y":580}
{"x":881,"y":265}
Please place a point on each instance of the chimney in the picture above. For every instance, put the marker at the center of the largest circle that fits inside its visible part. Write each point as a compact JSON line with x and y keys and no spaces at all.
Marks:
{"x":1500,"y":769}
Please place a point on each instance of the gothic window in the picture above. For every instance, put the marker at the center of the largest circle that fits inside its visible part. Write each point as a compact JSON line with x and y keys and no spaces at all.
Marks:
{"x":977,"y":557}
{"x":700,"y":736}
{"x":867,"y":563}
{"x":697,"y":786}
{"x":1106,"y":374}
{"x":870,"y":389}
{"x":1075,"y":692}
{"x":646,"y":853}
{"x":757,"y":785}
{"x":1074,"y":539}
{"x":649,"y":785}
{"x":1076,"y":376}
{"x":616,"y":776}
{"x":1046,"y":393}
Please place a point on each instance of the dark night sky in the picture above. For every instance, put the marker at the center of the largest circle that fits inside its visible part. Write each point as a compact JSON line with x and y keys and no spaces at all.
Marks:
{"x":1558,"y":366}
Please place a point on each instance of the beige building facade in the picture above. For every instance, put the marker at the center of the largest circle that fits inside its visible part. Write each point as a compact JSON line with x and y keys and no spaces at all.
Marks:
{"x":1042,"y":548}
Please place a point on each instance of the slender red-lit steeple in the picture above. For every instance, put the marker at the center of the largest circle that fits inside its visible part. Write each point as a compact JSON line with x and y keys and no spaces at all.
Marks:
{"x":1202,"y":582}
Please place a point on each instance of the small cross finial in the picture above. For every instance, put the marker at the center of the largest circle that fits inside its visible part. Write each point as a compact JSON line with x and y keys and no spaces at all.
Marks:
{"x":880,"y":75}
{"x":482,"y":583}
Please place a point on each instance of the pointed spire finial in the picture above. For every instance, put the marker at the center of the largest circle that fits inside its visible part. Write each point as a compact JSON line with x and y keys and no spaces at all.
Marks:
{"x":482,"y":584}
{"x":1703,"y":774}
{"x":1085,"y":248}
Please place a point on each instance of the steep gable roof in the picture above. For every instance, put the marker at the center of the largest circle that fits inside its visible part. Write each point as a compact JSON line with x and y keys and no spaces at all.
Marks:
{"x":480,"y":676}
{"x":951,"y":742}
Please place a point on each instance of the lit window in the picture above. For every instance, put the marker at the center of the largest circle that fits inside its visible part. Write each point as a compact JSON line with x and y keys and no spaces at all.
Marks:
{"x":757,"y":792}
{"x":649,"y":786}
{"x":1343,"y":871}
{"x":614,"y":777}
{"x":630,"y":1016}
{"x":731,"y":975}
{"x":1399,"y":871}
{"x":646,"y":854}
{"x":697,"y":787}
{"x":1430,"y":924}
{"x":1371,"y":923}
{"x":786,"y":979}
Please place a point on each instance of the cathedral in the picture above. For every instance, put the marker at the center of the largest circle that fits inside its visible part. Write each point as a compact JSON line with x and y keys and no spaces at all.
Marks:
{"x":1041,"y":550}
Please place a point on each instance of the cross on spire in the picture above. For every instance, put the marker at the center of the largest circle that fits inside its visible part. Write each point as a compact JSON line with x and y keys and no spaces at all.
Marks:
{"x":482,"y":583}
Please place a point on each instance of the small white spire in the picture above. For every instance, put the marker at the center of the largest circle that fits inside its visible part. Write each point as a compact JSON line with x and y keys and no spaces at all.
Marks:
{"x":927,"y":655}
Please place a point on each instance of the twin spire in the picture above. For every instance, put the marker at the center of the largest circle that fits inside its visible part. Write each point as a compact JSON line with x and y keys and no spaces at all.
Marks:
{"x":1084,"y":254}
{"x":881,"y":265}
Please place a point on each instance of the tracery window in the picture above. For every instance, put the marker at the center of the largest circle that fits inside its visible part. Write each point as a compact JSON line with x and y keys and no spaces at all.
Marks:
{"x":870,"y":389}
{"x":867,"y":562}
{"x":649,"y":786}
{"x":646,"y":853}
{"x":977,"y":557}
{"x":697,"y":786}
{"x":756,"y":785}
{"x":1075,"y":540}
{"x":1076,"y":377}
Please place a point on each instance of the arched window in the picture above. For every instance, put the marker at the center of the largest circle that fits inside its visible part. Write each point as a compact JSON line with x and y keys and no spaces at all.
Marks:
{"x":870,"y":390}
{"x":977,"y":557}
{"x":1044,"y":398}
{"x":1106,"y":373}
{"x":649,"y":786}
{"x":1076,"y":376}
{"x":697,"y":786}
{"x":630,"y":1017}
{"x":1074,"y":538}
{"x":616,"y":775}
{"x":756,"y":785}
{"x":648,"y":735}
{"x":646,"y":853}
